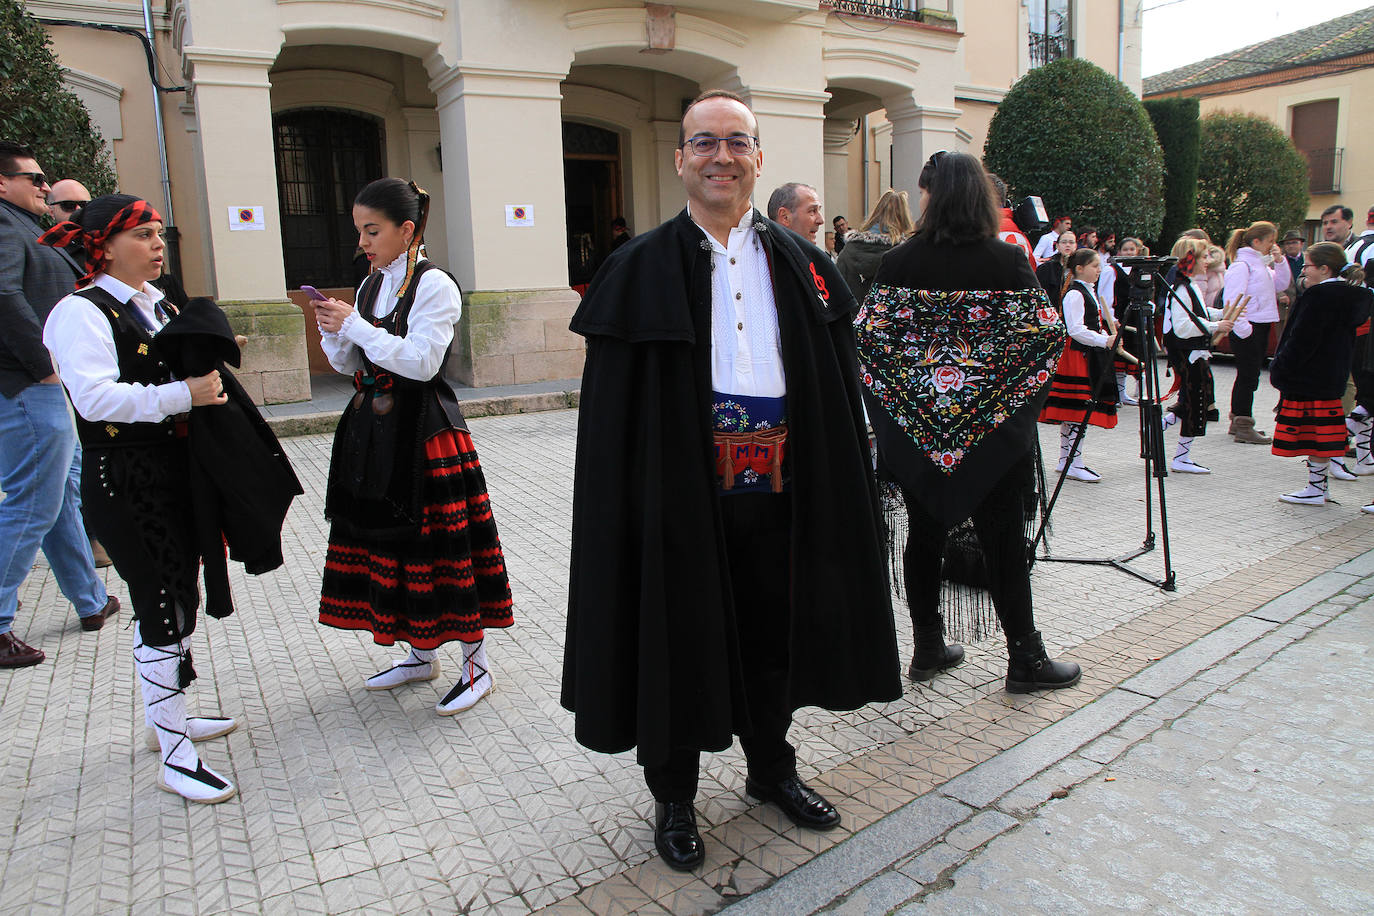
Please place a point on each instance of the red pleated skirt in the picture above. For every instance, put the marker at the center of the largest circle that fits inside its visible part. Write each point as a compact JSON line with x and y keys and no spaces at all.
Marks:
{"x":1315,"y":428}
{"x":1069,"y":392}
{"x":447,"y":582}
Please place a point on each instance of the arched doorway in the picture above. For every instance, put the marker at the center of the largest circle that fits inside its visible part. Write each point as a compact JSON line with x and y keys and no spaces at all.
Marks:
{"x":324,"y":157}
{"x":593,"y":196}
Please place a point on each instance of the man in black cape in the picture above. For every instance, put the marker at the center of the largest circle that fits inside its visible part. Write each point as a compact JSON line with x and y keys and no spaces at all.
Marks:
{"x":727,"y":559}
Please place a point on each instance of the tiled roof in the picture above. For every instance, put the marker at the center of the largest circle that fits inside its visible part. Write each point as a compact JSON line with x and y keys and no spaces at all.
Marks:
{"x":1343,"y":36}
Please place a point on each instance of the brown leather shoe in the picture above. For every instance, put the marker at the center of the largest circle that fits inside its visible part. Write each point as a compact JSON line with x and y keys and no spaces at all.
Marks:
{"x":15,"y":653}
{"x":97,"y":620}
{"x":102,"y":559}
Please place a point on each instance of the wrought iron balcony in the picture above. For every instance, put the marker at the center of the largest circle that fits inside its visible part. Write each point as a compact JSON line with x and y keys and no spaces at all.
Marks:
{"x":896,"y":10}
{"x":1324,"y":170}
{"x":1045,"y":48}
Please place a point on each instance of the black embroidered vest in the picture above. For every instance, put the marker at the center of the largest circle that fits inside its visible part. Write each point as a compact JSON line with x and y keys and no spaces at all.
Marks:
{"x":138,"y":365}
{"x":1092,"y":317}
{"x":1204,"y":340}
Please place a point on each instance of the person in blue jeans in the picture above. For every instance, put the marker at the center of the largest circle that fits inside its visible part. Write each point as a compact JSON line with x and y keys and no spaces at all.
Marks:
{"x":40,"y":461}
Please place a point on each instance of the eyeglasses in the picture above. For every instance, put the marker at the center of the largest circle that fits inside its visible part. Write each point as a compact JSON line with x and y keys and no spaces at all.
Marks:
{"x":707,"y":146}
{"x":71,"y":206}
{"x":934,"y":162}
{"x":38,"y":178}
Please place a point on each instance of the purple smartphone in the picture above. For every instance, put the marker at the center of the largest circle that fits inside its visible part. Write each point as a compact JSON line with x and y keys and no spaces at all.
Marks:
{"x":314,"y":293}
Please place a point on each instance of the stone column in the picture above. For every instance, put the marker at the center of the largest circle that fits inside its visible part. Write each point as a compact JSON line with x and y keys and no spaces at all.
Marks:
{"x":917,"y":131}
{"x":501,"y":131}
{"x":671,"y":197}
{"x":835,"y":195}
{"x":791,"y":123}
{"x":234,"y":118}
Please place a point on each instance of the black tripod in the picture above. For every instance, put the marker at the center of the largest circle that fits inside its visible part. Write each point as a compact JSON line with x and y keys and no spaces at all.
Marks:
{"x":1139,"y":315}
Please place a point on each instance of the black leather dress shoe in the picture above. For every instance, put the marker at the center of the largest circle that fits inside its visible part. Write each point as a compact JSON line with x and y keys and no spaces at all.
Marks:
{"x":803,"y":805}
{"x":97,"y":620}
{"x":676,"y":837}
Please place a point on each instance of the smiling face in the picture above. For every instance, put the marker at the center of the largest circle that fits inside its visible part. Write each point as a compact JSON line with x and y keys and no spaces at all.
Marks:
{"x":134,"y":256}
{"x":721,"y":183}
{"x":21,"y":190}
{"x":380,"y":239}
{"x":1314,"y":273}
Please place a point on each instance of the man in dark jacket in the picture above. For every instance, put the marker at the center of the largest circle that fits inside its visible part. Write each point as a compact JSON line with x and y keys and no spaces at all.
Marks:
{"x":40,"y":463}
{"x":727,"y":566}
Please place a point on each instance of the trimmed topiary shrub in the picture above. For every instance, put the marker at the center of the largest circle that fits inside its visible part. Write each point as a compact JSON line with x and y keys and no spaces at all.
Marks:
{"x":1180,"y":133}
{"x":39,"y":112}
{"x":1073,"y":134}
{"x":1249,"y":170}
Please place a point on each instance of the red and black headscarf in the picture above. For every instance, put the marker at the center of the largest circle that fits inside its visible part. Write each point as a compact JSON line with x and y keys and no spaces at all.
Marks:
{"x":99,"y":221}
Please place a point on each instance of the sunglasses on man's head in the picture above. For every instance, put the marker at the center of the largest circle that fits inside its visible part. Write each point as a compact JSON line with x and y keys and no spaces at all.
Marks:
{"x":71,"y":206}
{"x":38,"y":178}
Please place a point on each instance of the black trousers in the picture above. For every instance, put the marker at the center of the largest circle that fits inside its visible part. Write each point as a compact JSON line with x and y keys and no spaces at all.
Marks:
{"x":758,"y":541}
{"x":999,"y":521}
{"x":1249,"y":354}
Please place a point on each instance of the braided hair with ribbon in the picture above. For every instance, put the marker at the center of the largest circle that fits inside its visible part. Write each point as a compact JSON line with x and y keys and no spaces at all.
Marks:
{"x":401,"y":202}
{"x":98,"y":222}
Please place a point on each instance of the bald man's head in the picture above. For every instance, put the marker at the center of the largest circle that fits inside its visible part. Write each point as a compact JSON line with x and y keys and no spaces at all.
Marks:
{"x":66,"y":198}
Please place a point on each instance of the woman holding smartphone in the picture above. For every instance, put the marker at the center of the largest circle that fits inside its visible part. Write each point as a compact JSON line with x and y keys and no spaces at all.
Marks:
{"x":414,"y":554}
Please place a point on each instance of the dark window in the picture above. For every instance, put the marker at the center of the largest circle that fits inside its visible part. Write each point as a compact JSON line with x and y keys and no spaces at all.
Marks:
{"x":324,"y":157}
{"x":591,"y":189}
{"x":1314,"y":134}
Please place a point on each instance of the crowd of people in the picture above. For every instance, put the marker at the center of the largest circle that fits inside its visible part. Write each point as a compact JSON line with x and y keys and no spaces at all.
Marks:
{"x":730,"y":533}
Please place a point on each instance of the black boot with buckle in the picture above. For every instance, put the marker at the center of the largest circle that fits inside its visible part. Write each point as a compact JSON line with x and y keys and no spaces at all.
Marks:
{"x":1031,"y":668}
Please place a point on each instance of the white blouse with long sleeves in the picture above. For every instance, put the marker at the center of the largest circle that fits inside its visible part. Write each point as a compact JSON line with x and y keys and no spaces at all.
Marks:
{"x":1073,"y":321}
{"x":79,"y":337}
{"x":1182,"y":323}
{"x":419,"y":354}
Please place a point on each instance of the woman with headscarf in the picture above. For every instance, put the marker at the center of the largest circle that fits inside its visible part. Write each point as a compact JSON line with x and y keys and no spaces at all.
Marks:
{"x":135,"y":489}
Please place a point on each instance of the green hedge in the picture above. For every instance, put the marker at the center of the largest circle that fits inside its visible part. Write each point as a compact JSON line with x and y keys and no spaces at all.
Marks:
{"x":1180,"y":135}
{"x":1073,"y":134}
{"x":1249,"y":171}
{"x":37,"y":111}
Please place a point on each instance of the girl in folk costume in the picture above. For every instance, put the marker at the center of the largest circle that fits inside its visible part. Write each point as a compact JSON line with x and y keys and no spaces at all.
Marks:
{"x":1084,"y":373}
{"x":1310,"y":366}
{"x":1188,"y":328}
{"x":135,"y":490}
{"x":1051,"y":272}
{"x":1258,"y":270}
{"x":1117,"y":278}
{"x":413,"y":548}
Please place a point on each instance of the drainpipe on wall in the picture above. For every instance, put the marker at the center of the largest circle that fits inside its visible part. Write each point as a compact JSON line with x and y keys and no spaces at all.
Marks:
{"x":1120,"y":40}
{"x":173,"y":237}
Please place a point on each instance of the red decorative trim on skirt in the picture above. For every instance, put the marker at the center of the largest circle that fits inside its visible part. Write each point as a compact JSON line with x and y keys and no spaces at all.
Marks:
{"x":1310,"y":428}
{"x":1069,"y":393}
{"x":448,"y":582}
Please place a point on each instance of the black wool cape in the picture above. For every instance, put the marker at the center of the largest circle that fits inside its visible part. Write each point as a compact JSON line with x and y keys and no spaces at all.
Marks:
{"x":651,"y":659}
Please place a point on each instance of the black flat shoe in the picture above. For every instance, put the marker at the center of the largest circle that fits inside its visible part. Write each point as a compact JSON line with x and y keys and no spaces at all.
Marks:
{"x":676,"y":836}
{"x":803,"y":805}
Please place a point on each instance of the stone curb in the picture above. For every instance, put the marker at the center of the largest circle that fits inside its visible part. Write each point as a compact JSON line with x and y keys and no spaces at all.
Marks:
{"x":309,"y":424}
{"x":875,"y":870}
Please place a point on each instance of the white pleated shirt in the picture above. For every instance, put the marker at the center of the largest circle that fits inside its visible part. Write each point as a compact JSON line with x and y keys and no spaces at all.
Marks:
{"x":746,"y":346}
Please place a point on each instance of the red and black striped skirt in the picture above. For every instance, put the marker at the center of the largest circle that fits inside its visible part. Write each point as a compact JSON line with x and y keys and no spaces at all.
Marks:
{"x":1311,"y":428}
{"x":448,"y":582}
{"x":1070,"y":390}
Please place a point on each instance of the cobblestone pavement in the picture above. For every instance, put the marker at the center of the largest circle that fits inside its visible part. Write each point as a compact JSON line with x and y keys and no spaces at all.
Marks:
{"x":352,"y":801}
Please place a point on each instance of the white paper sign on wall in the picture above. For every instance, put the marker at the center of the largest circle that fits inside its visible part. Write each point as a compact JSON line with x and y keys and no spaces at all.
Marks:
{"x":246,"y":219}
{"x":519,"y":215}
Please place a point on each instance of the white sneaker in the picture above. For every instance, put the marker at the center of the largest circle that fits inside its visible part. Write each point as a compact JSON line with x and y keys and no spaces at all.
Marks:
{"x":465,"y":695}
{"x":1363,"y":468}
{"x":1188,"y":466}
{"x":198,"y":728}
{"x":1083,"y":473}
{"x":1369,"y":509}
{"x":1303,"y":498}
{"x":1340,"y":471}
{"x":201,"y":785}
{"x":403,"y":672}
{"x":1127,"y":401}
